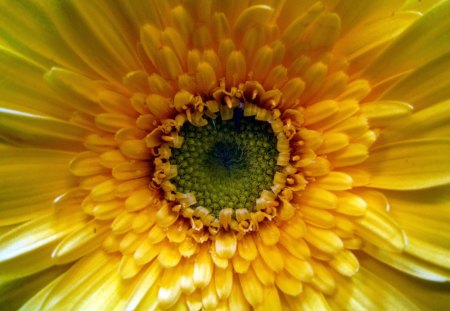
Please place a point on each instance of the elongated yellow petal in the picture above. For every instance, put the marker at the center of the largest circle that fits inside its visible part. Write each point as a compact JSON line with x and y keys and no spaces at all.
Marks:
{"x":25,"y":249}
{"x":36,"y":131}
{"x":20,"y":292}
{"x":270,"y":254}
{"x":149,"y":278}
{"x":169,"y":289}
{"x":371,"y":294}
{"x":264,"y":274}
{"x":37,"y":193}
{"x":407,"y":51}
{"x":237,"y":299}
{"x":410,"y":165}
{"x":96,"y":43}
{"x":251,"y":287}
{"x":430,"y":122}
{"x":378,"y":228}
{"x":272,"y":301}
{"x":80,"y":242}
{"x":325,"y":240}
{"x":223,"y":278}
{"x":83,"y":91}
{"x":88,"y":271}
{"x":37,"y":301}
{"x":203,"y":268}
{"x":409,"y":264}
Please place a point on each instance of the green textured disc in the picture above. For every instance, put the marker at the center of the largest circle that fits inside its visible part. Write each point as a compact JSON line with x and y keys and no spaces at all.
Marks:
{"x":226,"y":164}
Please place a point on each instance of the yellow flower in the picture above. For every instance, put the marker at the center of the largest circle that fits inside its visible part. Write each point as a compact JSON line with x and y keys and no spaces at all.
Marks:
{"x":224,"y":155}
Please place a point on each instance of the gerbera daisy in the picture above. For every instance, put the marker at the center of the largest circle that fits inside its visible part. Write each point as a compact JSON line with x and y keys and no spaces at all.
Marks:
{"x":224,"y":155}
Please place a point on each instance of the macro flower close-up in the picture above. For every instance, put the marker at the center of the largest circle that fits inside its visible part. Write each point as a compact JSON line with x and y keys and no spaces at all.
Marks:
{"x":225,"y":155}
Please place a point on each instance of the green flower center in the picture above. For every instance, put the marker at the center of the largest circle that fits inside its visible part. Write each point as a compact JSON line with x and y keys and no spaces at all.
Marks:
{"x":226,"y":164}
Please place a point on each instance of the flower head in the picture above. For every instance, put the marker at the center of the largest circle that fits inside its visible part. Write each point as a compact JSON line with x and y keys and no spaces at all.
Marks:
{"x":223,"y":154}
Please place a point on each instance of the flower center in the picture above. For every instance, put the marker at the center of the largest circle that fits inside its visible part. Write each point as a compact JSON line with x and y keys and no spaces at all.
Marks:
{"x":226,"y":164}
{"x":223,"y":162}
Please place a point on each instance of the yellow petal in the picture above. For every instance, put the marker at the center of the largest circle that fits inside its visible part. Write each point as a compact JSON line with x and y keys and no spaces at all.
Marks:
{"x":430,"y":122}
{"x":203,"y":268}
{"x":424,"y":295}
{"x":225,"y":244}
{"x":323,"y":279}
{"x":82,"y":91}
{"x":333,"y":142}
{"x":382,"y":113}
{"x":209,"y":297}
{"x":310,"y":300}
{"x":24,"y":86}
{"x":410,"y":165}
{"x":324,"y":240}
{"x":131,"y":170}
{"x":237,"y":299}
{"x":335,"y":181}
{"x":345,"y":263}
{"x":325,"y":31}
{"x":271,"y":255}
{"x":350,"y":204}
{"x":265,"y":275}
{"x":301,"y":249}
{"x":26,"y":249}
{"x":251,"y":287}
{"x":100,"y":44}
{"x":247,"y":248}
{"x":223,"y":278}
{"x":206,"y":77}
{"x":416,"y":46}
{"x":146,"y":252}
{"x":43,"y":41}
{"x":194,"y":301}
{"x":167,"y":63}
{"x":165,"y":217}
{"x":363,"y":40}
{"x":240,"y":265}
{"x":380,"y":229}
{"x":271,"y":301}
{"x":135,"y":149}
{"x":86,"y":164}
{"x":169,"y":256}
{"x":128,"y":267}
{"x":36,"y":193}
{"x":319,"y":111}
{"x":80,"y":242}
{"x":318,"y":217}
{"x":112,"y":122}
{"x":235,"y":68}
{"x":319,"y":198}
{"x":81,"y":278}
{"x":18,"y":128}
{"x":37,"y":301}
{"x":169,"y":287}
{"x":251,"y":17}
{"x":409,"y":264}
{"x":269,"y":233}
{"x":19,"y":292}
{"x":423,"y":87}
{"x":149,"y":277}
{"x":288,"y":284}
{"x":139,"y":200}
{"x":298,"y":268}
{"x":367,"y":291}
